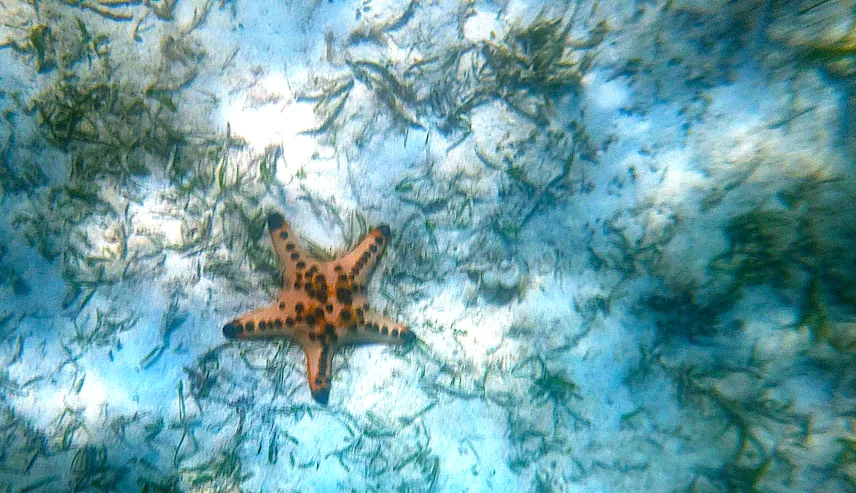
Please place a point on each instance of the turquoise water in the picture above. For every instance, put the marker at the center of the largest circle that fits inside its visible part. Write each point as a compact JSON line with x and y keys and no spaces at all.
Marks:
{"x":600,"y":246}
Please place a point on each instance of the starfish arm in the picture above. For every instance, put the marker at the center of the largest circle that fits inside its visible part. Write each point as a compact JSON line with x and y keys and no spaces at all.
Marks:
{"x":291,"y":255}
{"x":375,"y":328}
{"x":360,"y":261}
{"x":319,"y":369}
{"x":267,"y":323}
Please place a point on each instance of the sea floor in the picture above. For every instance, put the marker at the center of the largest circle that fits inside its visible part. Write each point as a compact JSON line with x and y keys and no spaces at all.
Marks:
{"x":622,"y":232}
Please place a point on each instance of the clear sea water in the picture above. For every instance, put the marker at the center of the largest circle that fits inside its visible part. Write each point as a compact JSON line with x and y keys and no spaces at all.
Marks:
{"x":621,"y":235}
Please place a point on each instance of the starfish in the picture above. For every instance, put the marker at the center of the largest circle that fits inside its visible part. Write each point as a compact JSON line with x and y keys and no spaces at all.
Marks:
{"x":322,"y":305}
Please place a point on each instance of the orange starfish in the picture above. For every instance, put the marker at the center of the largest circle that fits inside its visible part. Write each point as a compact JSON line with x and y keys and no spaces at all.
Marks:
{"x":322,"y":305}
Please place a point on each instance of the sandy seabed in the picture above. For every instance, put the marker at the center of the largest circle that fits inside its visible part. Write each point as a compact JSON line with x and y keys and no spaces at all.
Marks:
{"x":622,"y":232}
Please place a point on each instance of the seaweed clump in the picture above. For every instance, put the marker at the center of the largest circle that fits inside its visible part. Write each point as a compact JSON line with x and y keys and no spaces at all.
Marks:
{"x":527,"y":69}
{"x":9,"y":276}
{"x":801,"y":250}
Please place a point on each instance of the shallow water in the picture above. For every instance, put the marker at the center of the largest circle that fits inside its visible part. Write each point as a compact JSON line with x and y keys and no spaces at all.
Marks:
{"x":620,"y":233}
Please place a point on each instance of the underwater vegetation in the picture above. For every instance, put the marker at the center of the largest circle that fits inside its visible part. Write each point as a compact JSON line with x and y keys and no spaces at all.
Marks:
{"x":793,"y":243}
{"x":9,"y":277}
{"x":819,"y":32}
{"x":527,"y":70}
